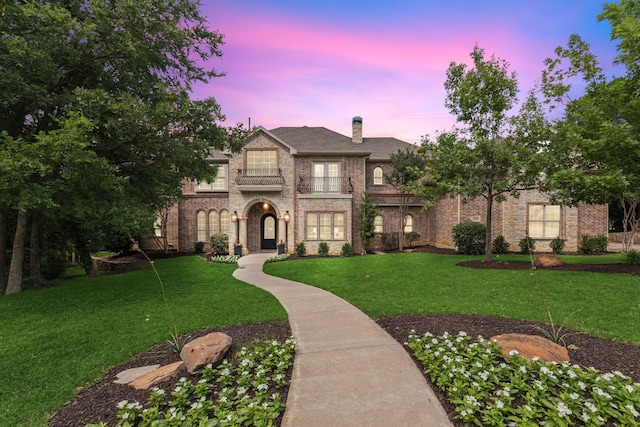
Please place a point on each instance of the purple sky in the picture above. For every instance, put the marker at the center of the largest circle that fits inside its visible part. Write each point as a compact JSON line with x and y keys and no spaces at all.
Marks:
{"x":319,"y":63}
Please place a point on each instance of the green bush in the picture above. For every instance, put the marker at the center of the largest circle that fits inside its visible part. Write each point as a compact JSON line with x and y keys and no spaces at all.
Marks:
{"x":469,"y":237}
{"x":54,"y":265}
{"x":593,"y":244}
{"x":500,"y":245}
{"x":219,"y":243}
{"x":301,"y":249}
{"x":632,"y":257}
{"x":347,"y":250}
{"x":198,"y":247}
{"x":323,"y":249}
{"x":527,"y":245}
{"x":390,"y":241}
{"x":411,"y":237}
{"x":557,"y":245}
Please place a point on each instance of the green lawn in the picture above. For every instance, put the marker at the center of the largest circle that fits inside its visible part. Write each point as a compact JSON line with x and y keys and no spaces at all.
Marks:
{"x":57,"y":339}
{"x":607,"y":305}
{"x":54,"y":340}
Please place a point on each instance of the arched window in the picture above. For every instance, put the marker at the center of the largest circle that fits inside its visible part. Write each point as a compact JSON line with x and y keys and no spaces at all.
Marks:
{"x":377,"y":176}
{"x":201,"y":226}
{"x":408,"y":224}
{"x":224,"y":221}
{"x":213,"y":223}
{"x":377,"y":223}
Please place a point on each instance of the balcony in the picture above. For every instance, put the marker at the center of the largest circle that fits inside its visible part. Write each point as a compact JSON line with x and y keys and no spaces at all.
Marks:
{"x":324,"y":185}
{"x":259,"y":180}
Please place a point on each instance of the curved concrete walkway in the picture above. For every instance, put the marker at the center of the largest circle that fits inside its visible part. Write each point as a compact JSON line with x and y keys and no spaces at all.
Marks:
{"x":347,"y":371}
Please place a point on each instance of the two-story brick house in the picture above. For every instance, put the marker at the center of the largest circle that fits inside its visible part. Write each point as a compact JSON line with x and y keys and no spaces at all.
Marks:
{"x":304,"y":184}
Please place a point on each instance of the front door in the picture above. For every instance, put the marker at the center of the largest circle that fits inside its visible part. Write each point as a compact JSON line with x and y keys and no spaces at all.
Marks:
{"x":268,"y":232}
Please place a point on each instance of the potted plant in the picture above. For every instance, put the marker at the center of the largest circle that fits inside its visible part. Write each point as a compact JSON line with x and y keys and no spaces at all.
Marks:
{"x":280,"y":247}
{"x":237,"y":249}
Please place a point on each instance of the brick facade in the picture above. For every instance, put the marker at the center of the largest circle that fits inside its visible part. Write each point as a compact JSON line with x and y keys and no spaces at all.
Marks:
{"x":358,"y":161}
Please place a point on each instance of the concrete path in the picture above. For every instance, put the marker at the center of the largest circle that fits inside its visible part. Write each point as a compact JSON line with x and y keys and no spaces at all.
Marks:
{"x":347,"y":371}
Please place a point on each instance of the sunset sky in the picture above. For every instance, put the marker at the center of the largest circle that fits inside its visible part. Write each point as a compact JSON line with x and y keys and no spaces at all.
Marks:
{"x":319,"y":63}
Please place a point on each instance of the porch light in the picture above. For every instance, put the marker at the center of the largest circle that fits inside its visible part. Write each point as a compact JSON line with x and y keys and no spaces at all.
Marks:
{"x":265,"y":206}
{"x":234,"y":216}
{"x":287,"y":217}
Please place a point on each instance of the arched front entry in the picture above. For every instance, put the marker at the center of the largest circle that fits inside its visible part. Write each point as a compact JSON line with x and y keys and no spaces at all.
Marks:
{"x":268,"y":231}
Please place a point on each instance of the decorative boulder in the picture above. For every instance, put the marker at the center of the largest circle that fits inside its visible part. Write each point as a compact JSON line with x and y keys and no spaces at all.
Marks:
{"x":548,"y":260}
{"x":157,"y":375}
{"x":531,"y":346}
{"x":201,"y":351}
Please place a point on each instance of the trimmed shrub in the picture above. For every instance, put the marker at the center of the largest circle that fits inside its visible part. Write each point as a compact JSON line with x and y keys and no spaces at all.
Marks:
{"x":592,"y":244}
{"x":527,"y":245}
{"x":390,"y":241}
{"x":411,"y":237}
{"x":323,"y":249}
{"x":219,"y":243}
{"x":198,"y":247}
{"x":469,"y":237}
{"x":347,"y":250}
{"x":301,"y":249}
{"x":632,"y":257}
{"x":500,"y":245}
{"x":557,"y":245}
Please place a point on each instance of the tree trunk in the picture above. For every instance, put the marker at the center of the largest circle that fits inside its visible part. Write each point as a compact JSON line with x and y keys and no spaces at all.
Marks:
{"x":4,"y":234}
{"x":487,"y":236}
{"x":35,"y":276}
{"x":14,"y":282}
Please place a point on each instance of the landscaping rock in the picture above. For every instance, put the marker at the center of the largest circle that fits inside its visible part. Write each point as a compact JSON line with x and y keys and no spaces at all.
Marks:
{"x":158,"y":375}
{"x":530,"y":346}
{"x":548,"y":260}
{"x":201,"y":351}
{"x":126,"y":376}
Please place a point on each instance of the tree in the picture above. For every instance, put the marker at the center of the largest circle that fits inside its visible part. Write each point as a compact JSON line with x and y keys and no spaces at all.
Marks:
{"x":592,"y":154}
{"x":123,"y":70}
{"x":404,"y":165}
{"x":494,"y":154}
{"x":367,"y":212}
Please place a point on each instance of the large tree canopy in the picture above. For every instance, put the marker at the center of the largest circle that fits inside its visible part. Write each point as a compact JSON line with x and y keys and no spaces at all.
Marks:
{"x":593,"y":153}
{"x":492,"y":154}
{"x":112,"y":78}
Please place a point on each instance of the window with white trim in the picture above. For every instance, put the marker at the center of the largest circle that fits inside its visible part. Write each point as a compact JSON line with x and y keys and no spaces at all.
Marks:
{"x":326,"y":177}
{"x":377,"y":176}
{"x":544,"y":221}
{"x":325,"y":226}
{"x":408,"y":224}
{"x":219,"y":183}
{"x":378,"y":224}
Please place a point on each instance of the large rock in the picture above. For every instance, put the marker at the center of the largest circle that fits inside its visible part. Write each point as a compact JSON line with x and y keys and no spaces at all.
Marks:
{"x":548,"y":260}
{"x":201,"y":351}
{"x":157,"y":375}
{"x":531,"y":346}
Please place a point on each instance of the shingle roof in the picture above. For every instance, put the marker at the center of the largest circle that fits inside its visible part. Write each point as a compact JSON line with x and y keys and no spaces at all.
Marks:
{"x":311,"y":140}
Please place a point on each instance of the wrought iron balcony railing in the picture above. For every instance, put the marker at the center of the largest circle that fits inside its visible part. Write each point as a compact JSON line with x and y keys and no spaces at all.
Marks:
{"x":324,"y":184}
{"x":256,"y":177}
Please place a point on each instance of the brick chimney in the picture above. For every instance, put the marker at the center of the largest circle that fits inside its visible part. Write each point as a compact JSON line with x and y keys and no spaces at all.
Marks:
{"x":356,"y":130}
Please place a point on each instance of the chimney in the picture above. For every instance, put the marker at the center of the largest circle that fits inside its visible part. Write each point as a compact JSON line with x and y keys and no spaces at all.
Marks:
{"x":357,"y":130}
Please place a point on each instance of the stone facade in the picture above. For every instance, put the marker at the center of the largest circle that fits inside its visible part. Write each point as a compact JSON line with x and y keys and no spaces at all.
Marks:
{"x":260,"y":214}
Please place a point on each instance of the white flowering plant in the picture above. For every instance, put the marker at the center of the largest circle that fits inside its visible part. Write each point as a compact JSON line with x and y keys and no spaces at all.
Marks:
{"x":225,"y":259}
{"x":243,"y":391}
{"x":488,"y":390}
{"x":277,"y":258}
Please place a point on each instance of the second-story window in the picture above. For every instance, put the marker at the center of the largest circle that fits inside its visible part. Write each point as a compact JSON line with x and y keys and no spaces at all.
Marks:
{"x":326,"y":177}
{"x":262,"y":162}
{"x":377,"y":176}
{"x":219,"y":183}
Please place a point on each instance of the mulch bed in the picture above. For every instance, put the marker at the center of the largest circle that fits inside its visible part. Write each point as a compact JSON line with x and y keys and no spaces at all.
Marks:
{"x":98,"y":402}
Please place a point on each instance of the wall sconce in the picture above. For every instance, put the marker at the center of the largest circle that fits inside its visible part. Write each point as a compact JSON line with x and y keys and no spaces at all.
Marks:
{"x":287,"y":217}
